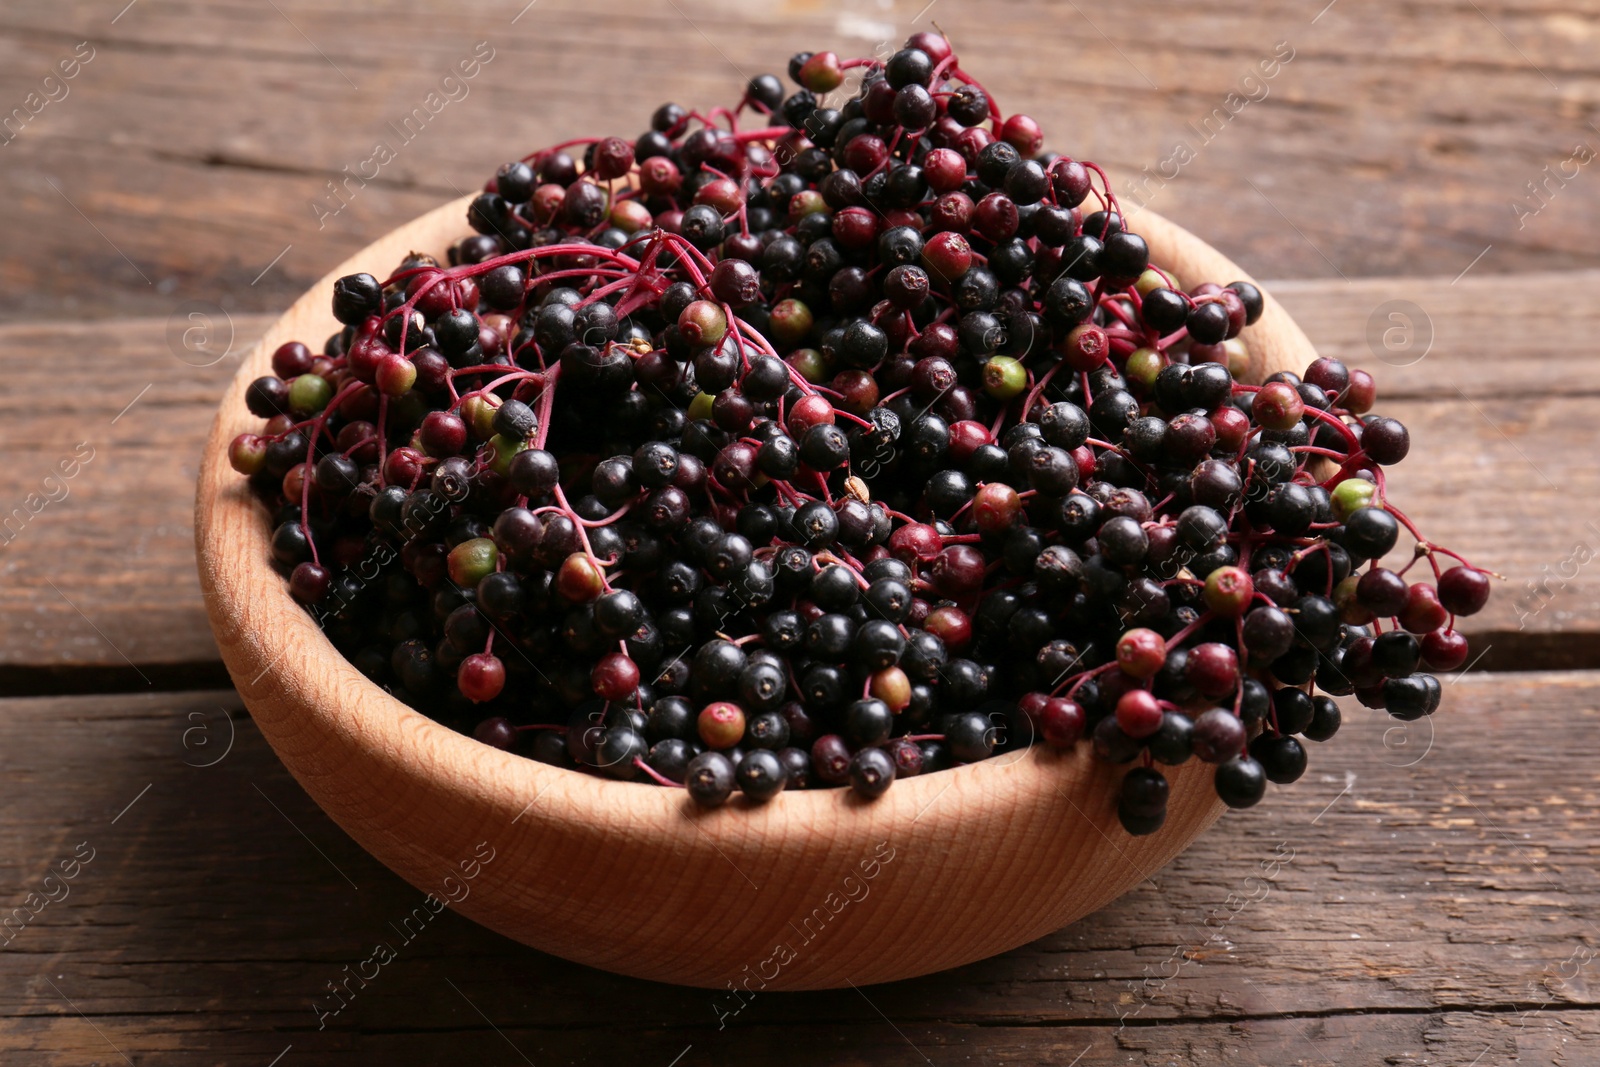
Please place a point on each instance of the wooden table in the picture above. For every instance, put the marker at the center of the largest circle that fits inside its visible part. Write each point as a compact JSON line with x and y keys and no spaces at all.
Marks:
{"x":1432,"y":887}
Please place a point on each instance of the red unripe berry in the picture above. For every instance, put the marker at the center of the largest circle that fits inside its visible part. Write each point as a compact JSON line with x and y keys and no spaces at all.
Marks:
{"x":971,"y":141}
{"x":1444,"y":650}
{"x":443,"y":434}
{"x":1423,"y":612}
{"x":580,"y":579}
{"x":821,"y":73}
{"x":901,"y":217}
{"x":1061,"y":722}
{"x":1463,"y":590}
{"x":364,"y":357}
{"x":481,"y":677}
{"x":1213,"y":669}
{"x":721,"y":725}
{"x":613,"y":157}
{"x":865,"y":153}
{"x":915,"y":542}
{"x":934,"y":45}
{"x":721,"y":193}
{"x":809,"y":411}
{"x":1141,"y":652}
{"x":547,"y":200}
{"x":1228,"y":591}
{"x":659,"y":176}
{"x":1138,"y":713}
{"x":1382,"y":592}
{"x":995,"y":217}
{"x":952,"y":211}
{"x":360,"y":403}
{"x":1086,"y":347}
{"x":995,"y":507}
{"x":858,"y":391}
{"x":947,"y":255}
{"x":1329,"y":375}
{"x":442,"y":292}
{"x":966,"y":436}
{"x":1023,"y":134}
{"x":1031,"y":705}
{"x":1083,"y":457}
{"x":855,"y":228}
{"x":950,"y":625}
{"x":878,"y":103}
{"x":958,"y":570}
{"x":1277,"y":406}
{"x":1071,"y":181}
{"x":403,"y":467}
{"x":944,"y":170}
{"x":1232,"y":427}
{"x":615,"y":677}
{"x":290,"y":359}
{"x":1236,"y":311}
{"x":1362,"y":393}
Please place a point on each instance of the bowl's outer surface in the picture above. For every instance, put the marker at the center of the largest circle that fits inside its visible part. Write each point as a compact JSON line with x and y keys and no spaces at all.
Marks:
{"x":814,"y":890}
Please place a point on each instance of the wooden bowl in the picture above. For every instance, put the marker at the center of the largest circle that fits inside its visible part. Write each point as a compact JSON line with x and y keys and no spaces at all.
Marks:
{"x":813,"y":890}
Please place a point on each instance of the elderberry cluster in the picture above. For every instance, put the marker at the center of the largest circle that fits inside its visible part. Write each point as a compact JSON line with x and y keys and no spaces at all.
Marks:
{"x":842,"y":449}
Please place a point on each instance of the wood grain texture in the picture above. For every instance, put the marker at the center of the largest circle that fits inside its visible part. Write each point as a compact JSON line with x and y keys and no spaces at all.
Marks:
{"x":1025,"y":844}
{"x":1394,"y":142}
{"x":119,"y":547}
{"x":1422,"y":910}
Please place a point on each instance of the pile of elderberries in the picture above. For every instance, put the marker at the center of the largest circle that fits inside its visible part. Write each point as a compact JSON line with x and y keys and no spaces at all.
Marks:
{"x":837,"y":445}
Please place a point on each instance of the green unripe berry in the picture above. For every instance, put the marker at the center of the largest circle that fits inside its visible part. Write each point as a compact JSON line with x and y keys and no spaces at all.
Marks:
{"x":247,"y":453}
{"x":396,"y":375}
{"x":1351,"y":495}
{"x":1142,"y":367}
{"x":812,"y":364}
{"x":700,"y":406}
{"x":1004,"y":377}
{"x":309,"y":394}
{"x":478,"y":413}
{"x":806,"y":202}
{"x":503,"y":450}
{"x":790,"y":321}
{"x":1148,"y":282}
{"x":703,"y":323}
{"x":472,"y":561}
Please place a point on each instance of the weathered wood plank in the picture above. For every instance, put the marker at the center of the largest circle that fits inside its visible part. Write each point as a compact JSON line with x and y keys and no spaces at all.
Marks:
{"x":1499,"y":471}
{"x":1417,"y":893}
{"x":1395,"y":141}
{"x":97,"y":569}
{"x":1553,"y":1038}
{"x":1443,"y":338}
